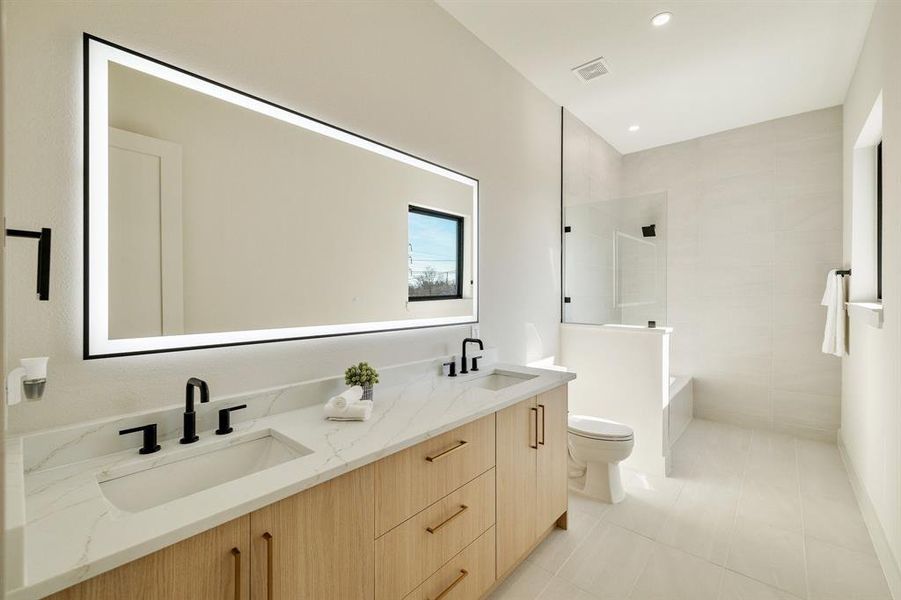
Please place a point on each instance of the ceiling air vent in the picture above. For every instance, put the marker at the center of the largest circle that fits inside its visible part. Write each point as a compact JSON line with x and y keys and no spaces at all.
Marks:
{"x":591,"y":70}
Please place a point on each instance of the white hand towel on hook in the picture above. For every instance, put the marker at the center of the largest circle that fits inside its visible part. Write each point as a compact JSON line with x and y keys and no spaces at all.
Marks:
{"x":834,"y":301}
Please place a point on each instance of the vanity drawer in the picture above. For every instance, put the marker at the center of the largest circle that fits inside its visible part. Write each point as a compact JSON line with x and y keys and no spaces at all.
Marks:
{"x":410,"y":480}
{"x":466,"y":576}
{"x":411,"y":552}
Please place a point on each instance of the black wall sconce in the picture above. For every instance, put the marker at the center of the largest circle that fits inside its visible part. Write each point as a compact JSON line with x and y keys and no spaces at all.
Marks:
{"x":43,"y":238}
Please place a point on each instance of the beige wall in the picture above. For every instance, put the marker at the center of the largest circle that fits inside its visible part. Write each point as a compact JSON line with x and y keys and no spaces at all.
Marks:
{"x":871,"y":382}
{"x":754,"y":224}
{"x":404,"y":73}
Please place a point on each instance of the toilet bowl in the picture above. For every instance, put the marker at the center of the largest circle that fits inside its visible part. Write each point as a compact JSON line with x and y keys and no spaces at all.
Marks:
{"x":596,"y":447}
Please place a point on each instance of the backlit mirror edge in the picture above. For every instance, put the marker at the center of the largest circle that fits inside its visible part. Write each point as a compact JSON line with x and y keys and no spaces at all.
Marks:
{"x":97,"y":54}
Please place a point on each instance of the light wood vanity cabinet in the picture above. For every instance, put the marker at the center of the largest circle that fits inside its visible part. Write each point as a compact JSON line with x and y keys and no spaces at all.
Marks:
{"x":553,"y":479}
{"x":316,"y":545}
{"x":442,"y":519}
{"x":203,"y":566}
{"x":466,"y":576}
{"x":517,"y":482}
{"x":531,"y":474}
{"x":431,"y":538}
{"x":410,"y":480}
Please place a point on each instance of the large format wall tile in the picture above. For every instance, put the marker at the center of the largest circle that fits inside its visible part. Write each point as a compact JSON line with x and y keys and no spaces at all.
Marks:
{"x":755,"y":220}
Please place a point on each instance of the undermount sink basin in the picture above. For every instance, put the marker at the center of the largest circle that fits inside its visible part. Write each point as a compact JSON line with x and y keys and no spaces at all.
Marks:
{"x":134,"y":490}
{"x":499,"y":380}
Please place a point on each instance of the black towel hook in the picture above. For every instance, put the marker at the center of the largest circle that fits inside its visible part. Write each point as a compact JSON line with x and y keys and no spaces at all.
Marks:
{"x":43,"y":238}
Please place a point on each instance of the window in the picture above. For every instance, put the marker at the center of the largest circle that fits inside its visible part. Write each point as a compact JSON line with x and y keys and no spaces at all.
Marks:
{"x":435,"y":255}
{"x":879,"y":221}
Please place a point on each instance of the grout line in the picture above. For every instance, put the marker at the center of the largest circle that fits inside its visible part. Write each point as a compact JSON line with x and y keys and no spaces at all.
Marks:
{"x":576,"y":548}
{"x":644,"y":568}
{"x":546,"y":585}
{"x":803,"y":524}
{"x":741,"y":493}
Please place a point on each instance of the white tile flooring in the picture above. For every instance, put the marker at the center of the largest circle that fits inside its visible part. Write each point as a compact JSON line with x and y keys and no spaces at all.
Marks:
{"x":746,"y":515}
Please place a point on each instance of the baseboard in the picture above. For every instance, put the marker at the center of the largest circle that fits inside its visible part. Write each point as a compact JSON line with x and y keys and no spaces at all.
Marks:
{"x":877,"y":534}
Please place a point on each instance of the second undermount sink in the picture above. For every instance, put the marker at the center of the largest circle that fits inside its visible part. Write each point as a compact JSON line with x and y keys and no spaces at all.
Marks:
{"x":499,"y":380}
{"x":184,"y":474}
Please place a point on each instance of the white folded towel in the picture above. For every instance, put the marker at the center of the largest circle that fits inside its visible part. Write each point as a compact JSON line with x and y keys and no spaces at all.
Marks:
{"x":834,"y":301}
{"x":347,"y":397}
{"x":358,"y":411}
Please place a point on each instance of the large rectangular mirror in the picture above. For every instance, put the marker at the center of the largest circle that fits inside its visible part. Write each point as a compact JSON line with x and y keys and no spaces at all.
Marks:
{"x":217,"y":218}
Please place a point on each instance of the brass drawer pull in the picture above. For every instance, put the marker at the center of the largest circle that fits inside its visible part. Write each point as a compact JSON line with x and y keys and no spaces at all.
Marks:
{"x":535,"y":413}
{"x":455,"y":583}
{"x":541,"y":406}
{"x":268,"y":537}
{"x":237,"y":554}
{"x":444,"y":453}
{"x":463,"y":508}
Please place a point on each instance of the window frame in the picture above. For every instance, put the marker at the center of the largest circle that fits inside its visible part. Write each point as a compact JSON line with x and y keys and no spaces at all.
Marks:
{"x":460,"y":222}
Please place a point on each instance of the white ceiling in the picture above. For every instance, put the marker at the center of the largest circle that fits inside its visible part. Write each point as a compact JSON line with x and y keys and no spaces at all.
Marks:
{"x":717,"y":65}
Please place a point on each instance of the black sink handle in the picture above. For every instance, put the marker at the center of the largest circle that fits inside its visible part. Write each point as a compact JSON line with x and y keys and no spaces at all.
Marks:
{"x":224,"y":418}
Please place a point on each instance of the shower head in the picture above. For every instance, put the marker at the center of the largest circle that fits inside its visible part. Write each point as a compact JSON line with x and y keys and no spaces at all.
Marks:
{"x":649,"y":230}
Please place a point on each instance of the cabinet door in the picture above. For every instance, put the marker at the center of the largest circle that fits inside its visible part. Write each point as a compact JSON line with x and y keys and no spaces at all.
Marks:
{"x":552,"y":460}
{"x":203,"y":566}
{"x":318,"y":544}
{"x":516,"y":482}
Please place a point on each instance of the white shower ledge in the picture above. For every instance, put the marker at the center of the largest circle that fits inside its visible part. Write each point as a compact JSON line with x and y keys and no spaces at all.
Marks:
{"x":617,"y":328}
{"x":72,"y":533}
{"x":867,"y":312}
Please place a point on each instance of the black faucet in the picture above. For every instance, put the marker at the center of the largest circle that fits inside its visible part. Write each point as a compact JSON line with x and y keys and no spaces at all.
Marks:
{"x":190,"y":434}
{"x":463,"y":367}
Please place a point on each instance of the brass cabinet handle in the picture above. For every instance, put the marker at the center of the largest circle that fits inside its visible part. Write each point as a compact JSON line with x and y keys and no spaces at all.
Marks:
{"x":542,"y":407}
{"x":237,"y":554}
{"x":454,"y":583}
{"x":535,"y":414}
{"x":268,"y":537}
{"x":463,"y":508}
{"x":444,"y":453}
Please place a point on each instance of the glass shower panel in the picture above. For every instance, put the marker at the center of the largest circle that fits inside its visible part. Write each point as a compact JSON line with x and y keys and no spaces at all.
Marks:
{"x":615,"y":261}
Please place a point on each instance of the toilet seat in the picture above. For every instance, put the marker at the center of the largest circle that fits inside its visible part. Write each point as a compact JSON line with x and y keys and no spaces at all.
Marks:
{"x":599,"y":429}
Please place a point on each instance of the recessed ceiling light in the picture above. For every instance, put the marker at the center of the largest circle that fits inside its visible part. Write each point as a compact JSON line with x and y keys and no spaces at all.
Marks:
{"x":634,"y":127}
{"x":661,"y":19}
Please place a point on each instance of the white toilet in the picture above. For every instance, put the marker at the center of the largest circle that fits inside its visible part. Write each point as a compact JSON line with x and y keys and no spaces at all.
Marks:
{"x":596,"y":447}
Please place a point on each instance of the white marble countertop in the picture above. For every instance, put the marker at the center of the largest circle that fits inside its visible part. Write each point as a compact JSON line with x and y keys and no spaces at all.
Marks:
{"x":73,"y":533}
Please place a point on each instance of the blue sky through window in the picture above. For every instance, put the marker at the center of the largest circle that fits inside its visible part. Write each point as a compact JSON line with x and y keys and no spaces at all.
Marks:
{"x":433,"y":243}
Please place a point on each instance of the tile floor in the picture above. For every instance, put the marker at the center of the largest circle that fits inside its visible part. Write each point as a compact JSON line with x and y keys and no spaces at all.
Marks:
{"x":746,"y":515}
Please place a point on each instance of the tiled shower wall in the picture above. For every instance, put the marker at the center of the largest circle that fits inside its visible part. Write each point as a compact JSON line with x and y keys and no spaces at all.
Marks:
{"x":755,"y":223}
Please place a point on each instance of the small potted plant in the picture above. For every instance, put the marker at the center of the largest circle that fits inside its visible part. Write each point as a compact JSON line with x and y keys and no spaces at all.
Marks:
{"x":362,"y":375}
